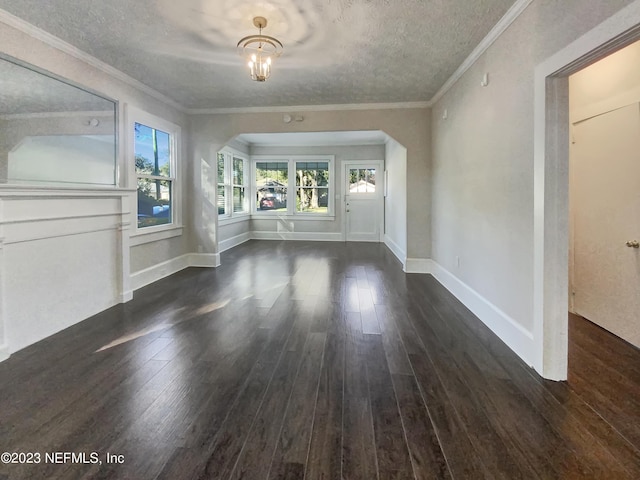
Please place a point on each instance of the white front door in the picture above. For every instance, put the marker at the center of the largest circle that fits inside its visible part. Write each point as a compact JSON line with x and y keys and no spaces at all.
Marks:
{"x":605,"y":199}
{"x":363,"y":205}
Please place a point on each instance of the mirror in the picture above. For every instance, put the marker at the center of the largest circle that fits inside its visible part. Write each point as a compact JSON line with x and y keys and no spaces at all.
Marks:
{"x":52,"y":132}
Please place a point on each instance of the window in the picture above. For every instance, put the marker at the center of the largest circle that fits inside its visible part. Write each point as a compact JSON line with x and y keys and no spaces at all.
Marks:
{"x":293,"y":186}
{"x":155,"y":175}
{"x":312,"y":187}
{"x":152,"y":154}
{"x":238,"y":186}
{"x":222,"y":194}
{"x":272,"y":179}
{"x":232,"y":184}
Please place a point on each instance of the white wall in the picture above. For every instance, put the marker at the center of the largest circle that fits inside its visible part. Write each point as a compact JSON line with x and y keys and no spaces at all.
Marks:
{"x":15,"y":128}
{"x":482,"y":184}
{"x":611,"y":83}
{"x":74,"y":159}
{"x":62,"y":259}
{"x":395,"y":203}
{"x":409,"y":126}
{"x":57,"y":242}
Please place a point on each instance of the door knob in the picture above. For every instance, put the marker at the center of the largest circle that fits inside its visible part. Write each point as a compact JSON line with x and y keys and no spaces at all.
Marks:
{"x":633,"y":244}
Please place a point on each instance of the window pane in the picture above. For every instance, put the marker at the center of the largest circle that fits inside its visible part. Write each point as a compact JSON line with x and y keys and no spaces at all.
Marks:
{"x":311,"y":174}
{"x":154,"y":202}
{"x":222,"y":205}
{"x":238,"y":200}
{"x":271,"y":185}
{"x":220,"y":168}
{"x":312,"y":180}
{"x":238,"y":171}
{"x":362,"y":180}
{"x":312,"y":200}
{"x":152,"y":151}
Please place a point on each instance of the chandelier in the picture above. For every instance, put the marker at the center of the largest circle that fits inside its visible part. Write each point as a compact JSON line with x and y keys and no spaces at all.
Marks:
{"x":259,"y":50}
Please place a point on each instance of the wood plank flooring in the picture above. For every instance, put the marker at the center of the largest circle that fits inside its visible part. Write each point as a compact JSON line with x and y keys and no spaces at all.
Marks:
{"x":319,"y":361}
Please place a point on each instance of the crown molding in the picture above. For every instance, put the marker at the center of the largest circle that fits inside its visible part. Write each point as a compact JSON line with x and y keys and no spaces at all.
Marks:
{"x":512,"y":14}
{"x":59,"y":44}
{"x":309,"y":108}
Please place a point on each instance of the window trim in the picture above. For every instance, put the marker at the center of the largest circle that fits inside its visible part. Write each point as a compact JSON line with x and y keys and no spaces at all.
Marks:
{"x":291,"y":212}
{"x":136,"y":115}
{"x":230,"y":216}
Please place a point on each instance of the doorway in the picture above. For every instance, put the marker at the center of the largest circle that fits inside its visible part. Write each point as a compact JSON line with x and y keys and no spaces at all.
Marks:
{"x":551,"y":185}
{"x":604,"y":263}
{"x":363,"y":201}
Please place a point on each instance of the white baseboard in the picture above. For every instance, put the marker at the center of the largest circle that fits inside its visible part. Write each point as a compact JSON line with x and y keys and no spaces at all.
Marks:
{"x":517,"y":338}
{"x":229,"y":243}
{"x":4,"y":352}
{"x":157,"y":272}
{"x":311,"y":236}
{"x":418,"y":265}
{"x":211,"y":260}
{"x":126,"y":297}
{"x":396,"y":249}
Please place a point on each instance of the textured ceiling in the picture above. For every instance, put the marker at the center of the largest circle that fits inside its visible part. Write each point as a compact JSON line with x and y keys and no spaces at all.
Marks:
{"x":336,"y":51}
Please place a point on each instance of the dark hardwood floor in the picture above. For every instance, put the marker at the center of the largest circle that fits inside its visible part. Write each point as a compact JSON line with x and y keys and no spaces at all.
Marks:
{"x":316,"y":361}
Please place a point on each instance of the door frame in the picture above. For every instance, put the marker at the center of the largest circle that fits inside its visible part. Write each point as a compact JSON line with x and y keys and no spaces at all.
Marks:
{"x":551,"y":183}
{"x":379,"y":164}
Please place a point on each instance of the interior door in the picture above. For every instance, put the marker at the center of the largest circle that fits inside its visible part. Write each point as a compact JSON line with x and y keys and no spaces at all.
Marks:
{"x":364,"y":183}
{"x":605,"y":199}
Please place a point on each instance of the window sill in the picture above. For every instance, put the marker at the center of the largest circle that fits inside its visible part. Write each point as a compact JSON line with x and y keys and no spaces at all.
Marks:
{"x":231,"y":220}
{"x":141,"y":237}
{"x":23,"y":190}
{"x":299,"y":217}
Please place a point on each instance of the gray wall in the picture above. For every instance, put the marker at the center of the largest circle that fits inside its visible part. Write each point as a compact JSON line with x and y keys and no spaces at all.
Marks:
{"x":482,"y":183}
{"x":409,"y":126}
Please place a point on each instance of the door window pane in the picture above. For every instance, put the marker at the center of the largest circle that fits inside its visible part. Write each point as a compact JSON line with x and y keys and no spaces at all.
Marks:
{"x":362,"y":180}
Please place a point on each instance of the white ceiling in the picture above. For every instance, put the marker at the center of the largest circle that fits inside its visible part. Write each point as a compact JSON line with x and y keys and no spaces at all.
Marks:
{"x":336,"y":51}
